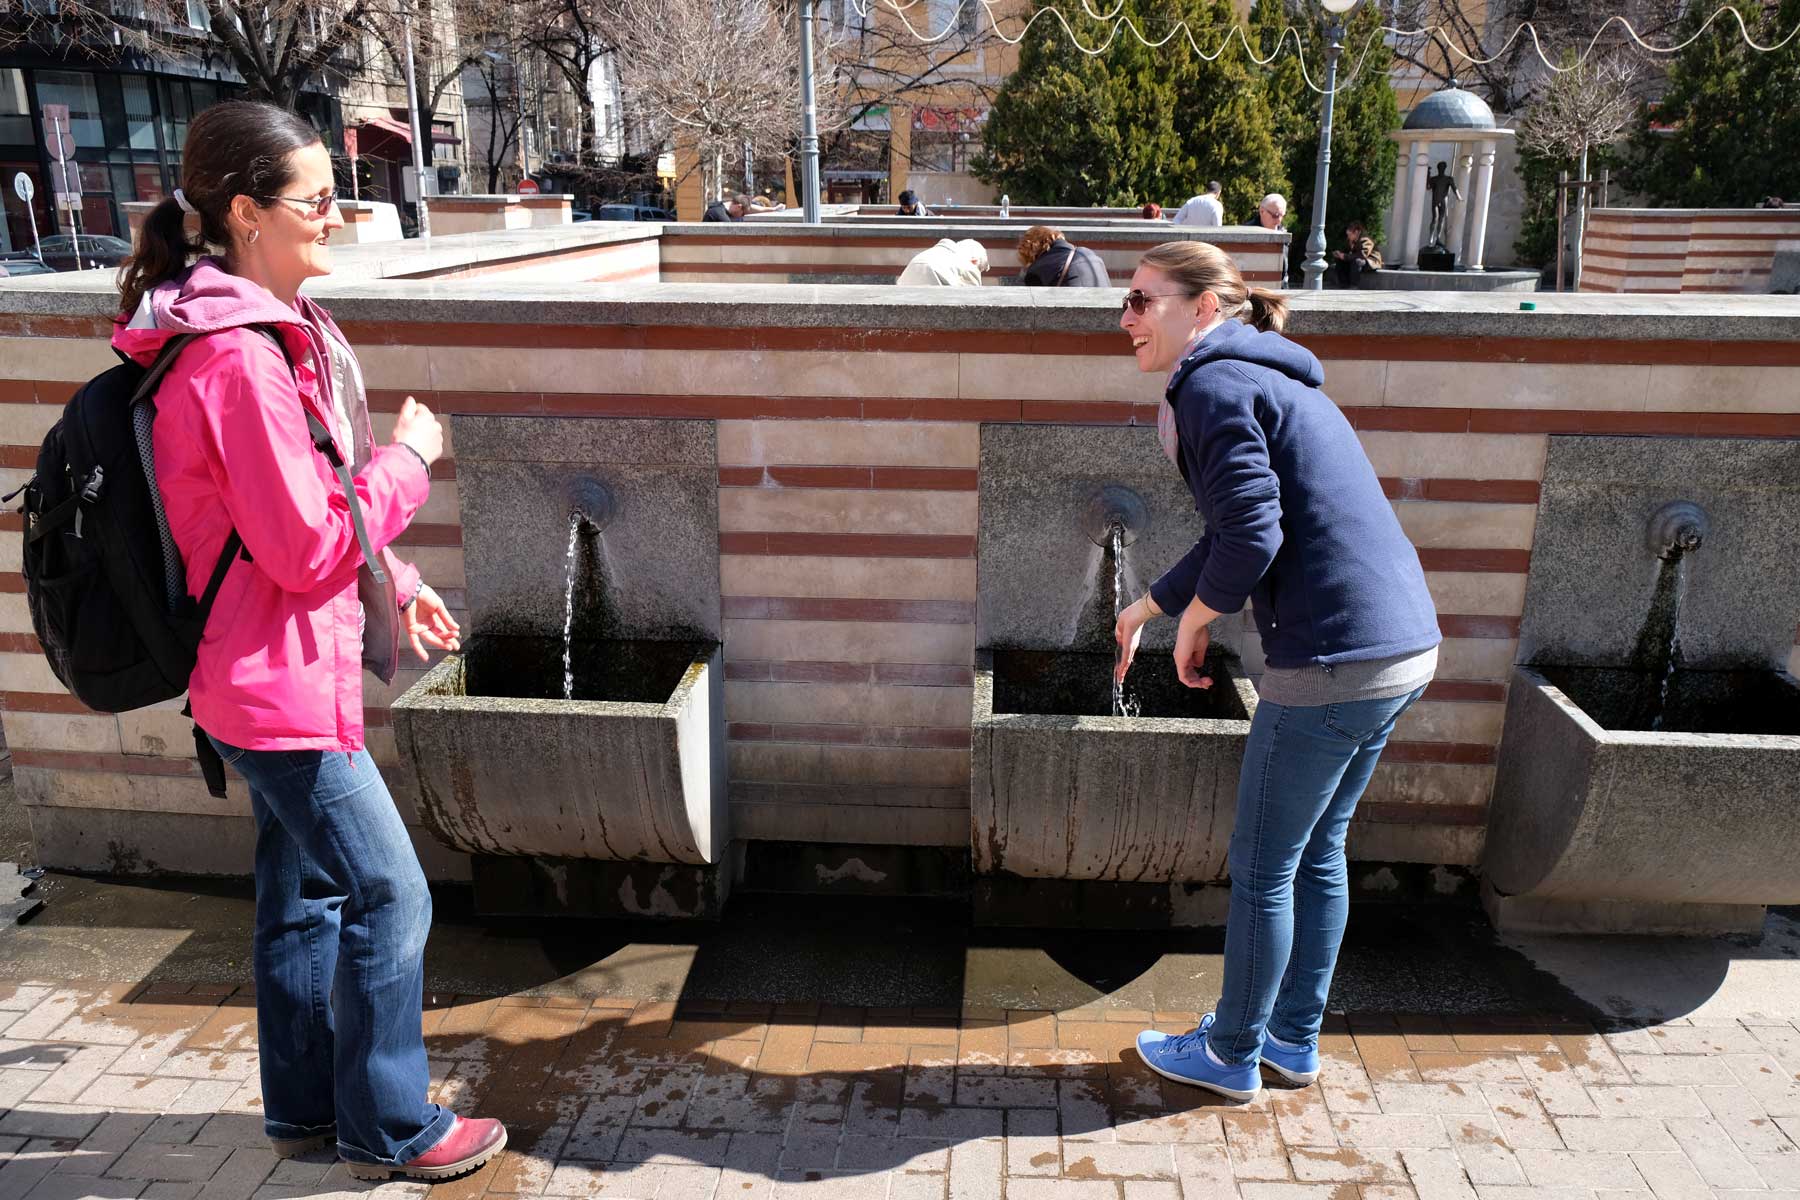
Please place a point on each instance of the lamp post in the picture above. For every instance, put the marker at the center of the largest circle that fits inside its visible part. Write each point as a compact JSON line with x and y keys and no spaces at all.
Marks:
{"x":412,"y":112}
{"x":809,"y":121}
{"x":1314,"y":266}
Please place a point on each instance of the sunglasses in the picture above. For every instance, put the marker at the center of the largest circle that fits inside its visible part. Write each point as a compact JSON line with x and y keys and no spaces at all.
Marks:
{"x":320,"y":205}
{"x":1137,"y":299}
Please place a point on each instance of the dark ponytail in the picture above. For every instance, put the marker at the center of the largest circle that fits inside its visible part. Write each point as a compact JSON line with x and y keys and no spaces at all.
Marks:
{"x":1268,"y":310}
{"x":237,"y":148}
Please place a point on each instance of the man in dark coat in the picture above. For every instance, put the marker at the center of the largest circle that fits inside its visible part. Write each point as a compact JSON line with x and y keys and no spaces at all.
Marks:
{"x":1051,"y":261}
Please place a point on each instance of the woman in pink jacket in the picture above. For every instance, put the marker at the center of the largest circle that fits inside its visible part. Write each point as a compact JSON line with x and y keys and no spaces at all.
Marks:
{"x":342,"y":910}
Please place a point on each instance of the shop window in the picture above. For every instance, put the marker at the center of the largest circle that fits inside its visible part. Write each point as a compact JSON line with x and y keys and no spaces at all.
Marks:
{"x":77,"y":91}
{"x":15,"y":110}
{"x":140,"y":113}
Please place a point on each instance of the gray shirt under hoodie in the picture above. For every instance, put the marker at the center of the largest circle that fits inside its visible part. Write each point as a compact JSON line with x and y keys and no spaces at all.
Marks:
{"x":1345,"y":682}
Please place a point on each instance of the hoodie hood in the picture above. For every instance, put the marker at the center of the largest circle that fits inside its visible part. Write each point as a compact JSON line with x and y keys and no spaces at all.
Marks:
{"x":1237,"y":342}
{"x":206,"y":298}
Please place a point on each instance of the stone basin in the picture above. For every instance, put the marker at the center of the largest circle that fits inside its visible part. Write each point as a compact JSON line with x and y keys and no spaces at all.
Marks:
{"x":630,"y":770}
{"x":1062,"y":789}
{"x":1601,"y":824}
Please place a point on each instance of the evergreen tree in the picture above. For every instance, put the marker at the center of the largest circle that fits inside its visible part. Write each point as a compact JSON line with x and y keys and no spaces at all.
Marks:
{"x":1135,"y":123}
{"x":1364,"y":114}
{"x":1724,"y":133}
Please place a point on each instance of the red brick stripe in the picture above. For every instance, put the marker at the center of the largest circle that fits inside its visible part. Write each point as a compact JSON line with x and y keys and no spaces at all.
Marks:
{"x":430,"y":535}
{"x":11,"y":581}
{"x":808,"y":608}
{"x":1505,"y":561}
{"x":1464,"y":691}
{"x":1394,"y":812}
{"x":1458,"y":753}
{"x":913,"y":737}
{"x":888,"y":674}
{"x":81,"y":760}
{"x":850,"y":545}
{"x":44,"y":702}
{"x":1478,"y":627}
{"x":933,"y":479}
{"x":19,"y":643}
{"x":1083,"y":412}
{"x":1479,"y":491}
{"x":12,"y":521}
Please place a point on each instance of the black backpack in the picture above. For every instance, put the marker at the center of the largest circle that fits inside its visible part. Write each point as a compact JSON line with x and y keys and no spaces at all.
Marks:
{"x":103,"y":579}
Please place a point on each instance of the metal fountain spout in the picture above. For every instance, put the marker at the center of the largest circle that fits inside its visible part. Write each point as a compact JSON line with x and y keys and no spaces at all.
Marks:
{"x":1115,"y":508}
{"x":591,"y":502}
{"x":1677,"y":529}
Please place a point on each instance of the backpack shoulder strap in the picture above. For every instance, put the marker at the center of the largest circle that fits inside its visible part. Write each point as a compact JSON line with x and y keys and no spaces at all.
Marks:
{"x":325,"y":444}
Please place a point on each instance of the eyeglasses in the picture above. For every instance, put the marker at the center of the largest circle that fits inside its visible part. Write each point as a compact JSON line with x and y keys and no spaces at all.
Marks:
{"x":1137,"y":299}
{"x":320,"y":205}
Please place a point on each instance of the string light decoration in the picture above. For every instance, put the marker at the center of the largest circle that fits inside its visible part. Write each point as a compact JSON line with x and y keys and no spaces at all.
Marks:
{"x":1121,"y":22}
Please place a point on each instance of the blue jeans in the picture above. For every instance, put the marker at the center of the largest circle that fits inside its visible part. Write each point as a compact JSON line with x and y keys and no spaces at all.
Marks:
{"x":1305,"y":767}
{"x":342,"y":912}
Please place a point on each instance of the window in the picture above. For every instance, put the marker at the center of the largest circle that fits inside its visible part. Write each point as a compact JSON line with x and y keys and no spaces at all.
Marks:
{"x":196,"y":15}
{"x":942,"y":151}
{"x":77,"y":91}
{"x":15,"y":110}
{"x":149,"y":181}
{"x":140,"y":114}
{"x":968,"y":22}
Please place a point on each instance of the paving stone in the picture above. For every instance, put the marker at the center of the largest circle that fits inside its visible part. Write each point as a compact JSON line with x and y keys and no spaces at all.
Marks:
{"x":810,"y":1149}
{"x":129,"y":1092}
{"x":1032,"y":1145}
{"x":1117,"y":1160}
{"x":1778,"y":1170}
{"x":1254,"y":1146}
{"x":1430,"y":1098}
{"x":1152,"y":1189}
{"x":205,"y":1096}
{"x":75,"y":1187}
{"x":1520,"y":1117}
{"x":1671,"y":1176}
{"x":1437,"y":1174}
{"x":1085,"y":1114}
{"x":1204,"y":1171}
{"x":222,"y":1129}
{"x":904,"y":1186}
{"x":1554,"y":1168}
{"x":1483,"y":1152}
{"x":1713,"y":1154}
{"x":977,"y":1171}
{"x":80,"y":1069}
{"x":30,"y":1163}
{"x":673,"y":1146}
{"x":72,"y":1121}
{"x":182,"y":1164}
{"x":829,"y":1185}
{"x":1058,"y":1189}
{"x":1196,"y":1126}
{"x":857,"y":1152}
{"x":166,"y":1190}
{"x":1345,"y":1164}
{"x":990,"y":1091}
{"x":957,"y":1124}
{"x":1418,"y":1132}
{"x":1296,"y":1191}
{"x":1676,"y":1070}
{"x":1614,"y":1133}
{"x":1638,"y":1101}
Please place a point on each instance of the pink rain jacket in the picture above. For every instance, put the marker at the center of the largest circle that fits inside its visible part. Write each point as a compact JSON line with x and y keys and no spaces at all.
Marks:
{"x":280,"y":665}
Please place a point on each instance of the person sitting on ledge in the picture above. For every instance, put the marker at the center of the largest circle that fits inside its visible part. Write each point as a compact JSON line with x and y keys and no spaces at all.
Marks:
{"x":1151,"y":211}
{"x":728,"y":210}
{"x":1359,"y":255}
{"x":912,"y":206}
{"x":947,"y":264}
{"x":1050,"y":261}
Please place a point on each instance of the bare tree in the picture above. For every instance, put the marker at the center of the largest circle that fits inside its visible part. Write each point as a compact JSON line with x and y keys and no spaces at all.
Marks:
{"x":574,"y":36}
{"x":721,"y":74}
{"x":1516,"y":74}
{"x":1588,"y":105}
{"x":447,"y":35}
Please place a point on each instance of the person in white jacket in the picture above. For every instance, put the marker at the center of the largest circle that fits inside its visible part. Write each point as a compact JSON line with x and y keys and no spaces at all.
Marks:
{"x":947,"y":264}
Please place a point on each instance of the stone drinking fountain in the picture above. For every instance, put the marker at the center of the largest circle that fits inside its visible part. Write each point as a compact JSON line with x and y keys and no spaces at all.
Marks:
{"x":1649,"y":774}
{"x":1130,"y":797}
{"x":575,"y":748}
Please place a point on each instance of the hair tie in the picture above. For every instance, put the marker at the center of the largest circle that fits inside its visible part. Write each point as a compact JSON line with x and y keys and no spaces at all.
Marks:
{"x":182,"y":200}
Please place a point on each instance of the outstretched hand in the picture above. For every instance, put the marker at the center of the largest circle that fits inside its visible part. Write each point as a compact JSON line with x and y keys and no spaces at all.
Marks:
{"x":1191,"y":643}
{"x":428,"y":622}
{"x":1128,"y":630}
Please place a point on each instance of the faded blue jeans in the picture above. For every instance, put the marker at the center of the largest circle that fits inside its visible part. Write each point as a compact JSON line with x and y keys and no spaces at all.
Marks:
{"x":342,"y":912}
{"x":1305,"y":767}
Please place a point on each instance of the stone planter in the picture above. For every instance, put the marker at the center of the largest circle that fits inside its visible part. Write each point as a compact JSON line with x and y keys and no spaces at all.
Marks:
{"x":1692,"y":828}
{"x":1063,"y":790}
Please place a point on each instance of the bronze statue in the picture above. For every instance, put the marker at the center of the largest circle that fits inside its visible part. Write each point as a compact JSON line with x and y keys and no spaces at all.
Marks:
{"x":1442,"y":188}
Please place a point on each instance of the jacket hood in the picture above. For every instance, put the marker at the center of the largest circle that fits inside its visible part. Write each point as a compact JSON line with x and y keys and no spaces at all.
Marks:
{"x":1236,"y":341}
{"x":203,"y":299}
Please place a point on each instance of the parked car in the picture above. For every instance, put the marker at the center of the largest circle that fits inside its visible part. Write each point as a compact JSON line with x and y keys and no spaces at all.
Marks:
{"x":97,"y":250}
{"x":580,"y":214}
{"x":14,"y":265}
{"x":632,"y":212}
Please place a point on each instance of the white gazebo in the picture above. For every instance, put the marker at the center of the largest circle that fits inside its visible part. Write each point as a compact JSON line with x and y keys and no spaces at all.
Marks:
{"x":1463,"y":119}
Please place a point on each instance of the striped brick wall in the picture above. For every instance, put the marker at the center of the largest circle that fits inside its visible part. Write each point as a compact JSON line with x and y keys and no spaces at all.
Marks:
{"x":1685,"y":250}
{"x":784,"y":254}
{"x":848,"y":471}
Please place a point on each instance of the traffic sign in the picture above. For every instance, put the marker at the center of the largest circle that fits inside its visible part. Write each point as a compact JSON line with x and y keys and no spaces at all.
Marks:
{"x":350,"y":139}
{"x":528,"y":187}
{"x":59,"y":138}
{"x":23,"y":187}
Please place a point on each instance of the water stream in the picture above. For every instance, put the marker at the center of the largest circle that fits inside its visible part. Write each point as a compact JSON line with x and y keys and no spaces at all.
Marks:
{"x":1658,"y":651}
{"x":575,"y":523}
{"x":1122,"y":705}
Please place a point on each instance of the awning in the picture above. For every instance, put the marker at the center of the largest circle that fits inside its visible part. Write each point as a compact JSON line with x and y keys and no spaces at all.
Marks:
{"x":383,"y":137}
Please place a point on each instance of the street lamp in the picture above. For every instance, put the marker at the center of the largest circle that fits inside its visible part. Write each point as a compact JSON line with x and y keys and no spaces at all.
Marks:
{"x":1314,"y":266}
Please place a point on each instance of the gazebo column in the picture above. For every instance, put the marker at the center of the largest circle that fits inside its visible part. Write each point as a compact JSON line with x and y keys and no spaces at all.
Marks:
{"x":1418,"y":207}
{"x":1459,"y":209}
{"x":1398,"y":227}
{"x":1484,"y":189}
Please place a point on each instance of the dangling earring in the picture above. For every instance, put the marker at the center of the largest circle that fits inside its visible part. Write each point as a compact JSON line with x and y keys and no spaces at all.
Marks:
{"x":255,"y":232}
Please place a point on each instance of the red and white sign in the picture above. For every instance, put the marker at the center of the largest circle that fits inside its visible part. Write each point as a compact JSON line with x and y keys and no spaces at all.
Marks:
{"x":350,"y":142}
{"x":59,"y":140}
{"x":528,"y":187}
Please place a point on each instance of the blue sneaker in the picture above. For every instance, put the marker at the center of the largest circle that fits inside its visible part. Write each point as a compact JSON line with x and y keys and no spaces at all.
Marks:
{"x":1183,"y":1058}
{"x":1296,"y":1066}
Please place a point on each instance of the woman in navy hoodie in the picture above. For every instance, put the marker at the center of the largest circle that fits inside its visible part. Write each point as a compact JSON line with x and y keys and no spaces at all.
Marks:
{"x":1296,"y":523}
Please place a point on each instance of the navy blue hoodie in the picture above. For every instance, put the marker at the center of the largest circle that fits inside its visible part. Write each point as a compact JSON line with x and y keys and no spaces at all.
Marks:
{"x":1296,"y":521}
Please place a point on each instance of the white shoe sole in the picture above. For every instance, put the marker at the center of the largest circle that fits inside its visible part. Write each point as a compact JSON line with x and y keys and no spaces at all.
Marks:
{"x":378,"y":1171}
{"x":1219,"y":1088}
{"x":1300,"y":1077}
